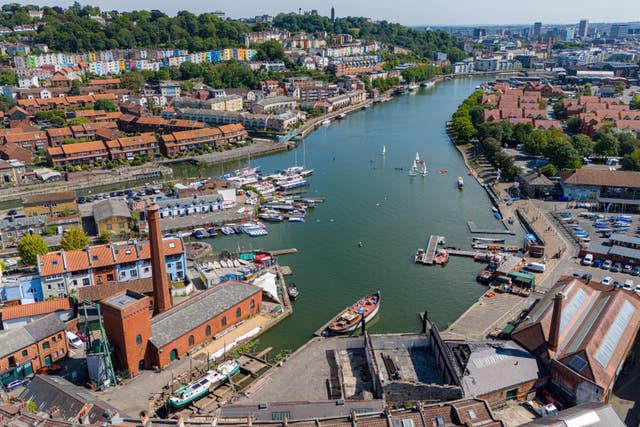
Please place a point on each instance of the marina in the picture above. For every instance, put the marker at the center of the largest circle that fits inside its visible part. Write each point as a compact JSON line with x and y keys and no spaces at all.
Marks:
{"x":476,"y":230}
{"x":428,"y":255}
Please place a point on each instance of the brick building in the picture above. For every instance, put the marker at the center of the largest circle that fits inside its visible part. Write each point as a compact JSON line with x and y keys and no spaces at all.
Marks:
{"x":81,"y":153}
{"x":583,"y":334}
{"x":51,"y":204}
{"x":26,"y":349}
{"x":127,"y":148}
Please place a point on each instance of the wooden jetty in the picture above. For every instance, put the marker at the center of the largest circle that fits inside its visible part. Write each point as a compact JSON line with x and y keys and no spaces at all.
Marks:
{"x":457,"y":252}
{"x":284,"y":252}
{"x":427,"y":256}
{"x":475,"y":230}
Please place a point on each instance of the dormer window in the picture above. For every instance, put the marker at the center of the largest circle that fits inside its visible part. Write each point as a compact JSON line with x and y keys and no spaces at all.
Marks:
{"x":54,"y":262}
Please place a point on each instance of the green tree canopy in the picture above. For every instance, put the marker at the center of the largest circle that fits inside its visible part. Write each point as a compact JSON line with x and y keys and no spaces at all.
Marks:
{"x":271,"y":50}
{"x":30,"y":246}
{"x":133,"y":81}
{"x":583,"y":145}
{"x":74,"y":238}
{"x":105,"y":105}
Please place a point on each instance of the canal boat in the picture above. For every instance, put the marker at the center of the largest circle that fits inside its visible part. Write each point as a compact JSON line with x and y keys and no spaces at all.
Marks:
{"x":199,"y":388}
{"x":460,"y":183}
{"x":292,"y":291}
{"x":349,"y":320}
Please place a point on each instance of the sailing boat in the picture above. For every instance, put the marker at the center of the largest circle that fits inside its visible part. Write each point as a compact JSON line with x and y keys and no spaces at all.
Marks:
{"x":414,"y":167}
{"x":423,"y":168}
{"x":384,"y":150}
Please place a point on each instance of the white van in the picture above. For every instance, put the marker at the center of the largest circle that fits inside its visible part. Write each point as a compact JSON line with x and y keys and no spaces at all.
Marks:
{"x":536,"y":267}
{"x":588,"y":259}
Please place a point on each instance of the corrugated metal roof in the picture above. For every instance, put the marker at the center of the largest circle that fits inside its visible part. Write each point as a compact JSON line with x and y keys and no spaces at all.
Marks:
{"x":610,"y":342}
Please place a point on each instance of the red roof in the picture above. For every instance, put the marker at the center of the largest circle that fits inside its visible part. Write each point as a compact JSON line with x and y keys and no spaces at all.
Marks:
{"x":101,"y":256}
{"x":36,"y":309}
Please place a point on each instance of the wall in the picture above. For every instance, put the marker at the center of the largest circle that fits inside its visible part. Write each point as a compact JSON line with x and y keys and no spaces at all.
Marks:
{"x":499,"y":396}
{"x":114,"y":224}
{"x":58,"y":208}
{"x":161,"y":357}
{"x":36,"y":353}
{"x":401,"y":392}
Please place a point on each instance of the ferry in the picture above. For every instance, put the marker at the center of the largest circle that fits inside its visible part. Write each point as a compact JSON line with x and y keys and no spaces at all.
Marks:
{"x":199,"y":388}
{"x":460,"y":183}
{"x":349,"y":320}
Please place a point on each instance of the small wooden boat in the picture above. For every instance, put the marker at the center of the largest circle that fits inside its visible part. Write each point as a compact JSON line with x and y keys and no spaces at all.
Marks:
{"x":443,"y":171}
{"x":460,"y":183}
{"x":349,"y":320}
{"x":292,"y":290}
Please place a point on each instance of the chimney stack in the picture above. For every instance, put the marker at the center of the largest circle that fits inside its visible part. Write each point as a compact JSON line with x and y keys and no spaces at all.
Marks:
{"x":161,"y":291}
{"x":556,"y":316}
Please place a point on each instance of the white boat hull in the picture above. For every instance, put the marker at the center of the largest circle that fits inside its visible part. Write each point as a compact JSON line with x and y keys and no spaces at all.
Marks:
{"x":366,"y":320}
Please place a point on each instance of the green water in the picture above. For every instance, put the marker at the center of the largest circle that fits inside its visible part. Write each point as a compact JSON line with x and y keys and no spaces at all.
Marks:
{"x":368,"y":200}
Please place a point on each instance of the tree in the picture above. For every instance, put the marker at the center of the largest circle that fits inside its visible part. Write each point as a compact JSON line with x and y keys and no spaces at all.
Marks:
{"x":8,"y":77}
{"x":549,"y":170}
{"x":606,"y":143}
{"x":30,"y":246}
{"x":105,"y":105}
{"x":105,"y":236}
{"x":573,"y":125}
{"x":6,"y":103}
{"x":78,"y":121}
{"x":583,"y":145}
{"x":74,"y":238}
{"x":190,"y":70}
{"x":75,"y":88}
{"x":271,"y":50}
{"x":586,"y":90}
{"x":635,"y":103}
{"x":536,"y":144}
{"x":619,"y":88}
{"x":627,"y":140}
{"x":132,"y":81}
{"x":563,"y":155}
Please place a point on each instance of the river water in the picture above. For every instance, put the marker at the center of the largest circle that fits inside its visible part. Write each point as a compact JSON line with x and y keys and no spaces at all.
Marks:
{"x":369,"y":200}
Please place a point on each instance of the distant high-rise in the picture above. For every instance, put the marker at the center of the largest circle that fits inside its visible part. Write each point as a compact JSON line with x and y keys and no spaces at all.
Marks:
{"x":619,"y":31}
{"x":583,"y":28}
{"x":537,"y":29}
{"x":333,"y":14}
{"x":478,"y":33}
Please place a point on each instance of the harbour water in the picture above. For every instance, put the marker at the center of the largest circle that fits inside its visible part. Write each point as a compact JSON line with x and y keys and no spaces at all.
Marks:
{"x":369,"y":200}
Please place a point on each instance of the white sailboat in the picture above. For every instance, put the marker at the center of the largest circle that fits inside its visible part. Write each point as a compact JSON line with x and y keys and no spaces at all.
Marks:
{"x":414,"y":167}
{"x":384,"y":150}
{"x":423,"y":168}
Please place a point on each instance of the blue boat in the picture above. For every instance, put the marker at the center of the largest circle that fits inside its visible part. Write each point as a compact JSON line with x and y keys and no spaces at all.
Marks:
{"x":198,"y":233}
{"x":497,"y":215}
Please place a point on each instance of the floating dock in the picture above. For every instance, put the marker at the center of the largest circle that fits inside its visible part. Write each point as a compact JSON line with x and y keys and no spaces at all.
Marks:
{"x":475,"y":230}
{"x":428,"y":255}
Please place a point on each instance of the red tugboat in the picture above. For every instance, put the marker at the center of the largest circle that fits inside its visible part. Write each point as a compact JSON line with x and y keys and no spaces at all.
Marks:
{"x":350,"y":319}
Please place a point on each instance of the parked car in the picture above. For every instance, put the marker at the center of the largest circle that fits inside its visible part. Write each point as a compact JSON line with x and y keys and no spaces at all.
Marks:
{"x":597,"y":263}
{"x":627,"y":269}
{"x":74,"y":340}
{"x":51,"y":369}
{"x":16,"y":383}
{"x":635,"y":271}
{"x":607,"y":280}
{"x":615,"y":268}
{"x":638,"y":289}
{"x":628,"y":285}
{"x":587,"y":277}
{"x":606,"y":264}
{"x":82,"y":200}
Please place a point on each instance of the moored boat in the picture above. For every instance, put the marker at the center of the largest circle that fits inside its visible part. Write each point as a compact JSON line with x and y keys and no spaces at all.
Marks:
{"x":460,"y":183}
{"x":347,"y":321}
{"x":199,"y":388}
{"x":292,"y":290}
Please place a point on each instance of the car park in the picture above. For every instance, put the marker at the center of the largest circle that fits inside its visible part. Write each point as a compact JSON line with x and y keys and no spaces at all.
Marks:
{"x":606,"y":264}
{"x":628,"y":285}
{"x":607,"y":280}
{"x":615,"y":268}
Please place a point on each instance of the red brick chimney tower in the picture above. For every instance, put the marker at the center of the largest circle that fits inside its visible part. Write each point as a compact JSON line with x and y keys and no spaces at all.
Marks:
{"x":161,"y":291}
{"x":556,"y":317}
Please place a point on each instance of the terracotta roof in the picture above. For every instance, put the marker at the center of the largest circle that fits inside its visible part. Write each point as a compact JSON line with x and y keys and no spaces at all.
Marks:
{"x":145,"y":138}
{"x":101,"y":256}
{"x":77,"y":260}
{"x":81,"y":147}
{"x":196,"y":133}
{"x":36,"y":309}
{"x":590,"y":176}
{"x":58,"y":132}
{"x":98,"y":82}
{"x":125,"y":253}
{"x":13,"y":151}
{"x":55,"y":151}
{"x":25,"y":136}
{"x":152,"y":120}
{"x":51,"y":264}
{"x":230,"y":128}
{"x":99,"y":292}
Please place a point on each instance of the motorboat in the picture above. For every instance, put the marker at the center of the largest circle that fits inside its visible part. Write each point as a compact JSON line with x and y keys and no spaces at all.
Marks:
{"x":202,"y":386}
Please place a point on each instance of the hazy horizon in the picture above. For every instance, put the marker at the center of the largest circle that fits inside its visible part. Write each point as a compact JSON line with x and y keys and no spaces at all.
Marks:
{"x":407,"y":12}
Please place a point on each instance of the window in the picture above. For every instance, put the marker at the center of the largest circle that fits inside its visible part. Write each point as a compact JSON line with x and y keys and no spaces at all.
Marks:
{"x":252,"y":304}
{"x":110,"y":277}
{"x":25,"y":353}
{"x":138,"y":339}
{"x":109,"y":226}
{"x":207,"y":331}
{"x":192,"y":340}
{"x":12,"y":361}
{"x":134,"y":273}
{"x":45,"y":345}
{"x":472,"y":414}
{"x":85,"y":281}
{"x":223,"y":321}
{"x":238,"y":312}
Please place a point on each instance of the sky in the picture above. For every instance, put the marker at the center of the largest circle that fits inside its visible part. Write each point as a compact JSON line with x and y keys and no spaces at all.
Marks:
{"x":408,"y":12}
